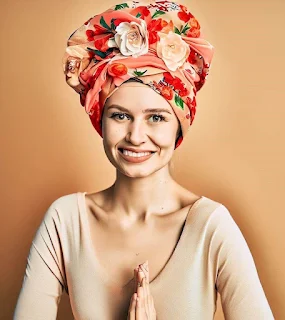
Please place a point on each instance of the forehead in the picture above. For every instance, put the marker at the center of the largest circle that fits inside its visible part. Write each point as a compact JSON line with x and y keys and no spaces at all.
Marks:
{"x":137,"y":96}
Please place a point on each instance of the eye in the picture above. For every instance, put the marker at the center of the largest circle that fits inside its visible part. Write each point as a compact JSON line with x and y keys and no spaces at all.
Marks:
{"x":120,"y":116}
{"x":116,"y":115}
{"x":162,"y":118}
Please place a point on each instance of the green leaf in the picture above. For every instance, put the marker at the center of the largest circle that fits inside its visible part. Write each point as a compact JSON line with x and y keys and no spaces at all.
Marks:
{"x":138,"y":15}
{"x":121,"y":6}
{"x":179,"y":102}
{"x":158,"y":13}
{"x":139,"y":73}
{"x":113,"y":26}
{"x":107,"y":52}
{"x":98,"y":52}
{"x":176,"y":31}
{"x":104,"y":24}
{"x":186,"y":27}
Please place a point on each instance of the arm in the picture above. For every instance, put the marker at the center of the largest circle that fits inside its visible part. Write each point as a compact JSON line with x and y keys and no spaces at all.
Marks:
{"x":44,"y":278}
{"x":237,"y":280}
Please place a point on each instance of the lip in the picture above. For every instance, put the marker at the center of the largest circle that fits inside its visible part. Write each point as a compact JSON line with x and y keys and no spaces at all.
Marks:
{"x":135,"y":150}
{"x":135,"y":159}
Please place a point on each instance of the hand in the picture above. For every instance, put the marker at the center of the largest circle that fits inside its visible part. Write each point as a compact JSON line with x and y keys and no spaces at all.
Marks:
{"x":143,"y":308}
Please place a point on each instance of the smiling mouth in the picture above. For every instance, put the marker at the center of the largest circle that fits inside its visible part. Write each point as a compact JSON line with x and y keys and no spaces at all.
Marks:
{"x":121,"y":150}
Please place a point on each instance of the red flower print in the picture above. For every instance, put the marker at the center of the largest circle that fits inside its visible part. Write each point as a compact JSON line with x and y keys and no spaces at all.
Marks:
{"x":193,"y":22}
{"x":154,"y":26}
{"x":193,"y":32}
{"x":192,"y":57}
{"x":98,"y":71}
{"x":182,"y":7}
{"x":99,"y":29}
{"x":167,"y":92}
{"x":176,"y":83}
{"x":191,"y":102}
{"x":118,"y":21}
{"x":101,"y":42}
{"x":184,"y":92}
{"x":192,"y":106}
{"x":168,"y":27}
{"x":144,"y":12}
{"x":90,"y":34}
{"x":168,"y":77}
{"x":184,"y":15}
{"x":117,"y":70}
{"x":95,"y":116}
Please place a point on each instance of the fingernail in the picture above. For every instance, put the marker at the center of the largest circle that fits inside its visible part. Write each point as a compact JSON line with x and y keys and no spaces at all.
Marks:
{"x":146,"y":265}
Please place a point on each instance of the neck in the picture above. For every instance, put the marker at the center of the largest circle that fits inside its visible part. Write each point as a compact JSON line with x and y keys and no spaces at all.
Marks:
{"x":137,"y":198}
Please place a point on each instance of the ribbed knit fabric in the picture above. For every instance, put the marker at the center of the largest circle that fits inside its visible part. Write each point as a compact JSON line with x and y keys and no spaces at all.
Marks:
{"x":211,"y":256}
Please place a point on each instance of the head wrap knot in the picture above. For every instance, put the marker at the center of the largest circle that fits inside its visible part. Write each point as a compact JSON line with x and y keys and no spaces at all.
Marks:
{"x":158,"y":42}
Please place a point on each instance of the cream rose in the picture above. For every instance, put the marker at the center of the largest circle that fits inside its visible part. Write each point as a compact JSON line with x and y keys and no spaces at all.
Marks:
{"x":131,"y":38}
{"x":72,"y":67}
{"x":172,"y":49}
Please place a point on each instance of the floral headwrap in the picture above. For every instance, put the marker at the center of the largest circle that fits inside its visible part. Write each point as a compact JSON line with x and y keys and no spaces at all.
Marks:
{"x":159,"y":43}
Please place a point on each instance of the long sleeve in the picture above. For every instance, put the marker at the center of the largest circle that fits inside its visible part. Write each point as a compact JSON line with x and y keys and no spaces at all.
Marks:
{"x":237,"y":281}
{"x":44,"y":278}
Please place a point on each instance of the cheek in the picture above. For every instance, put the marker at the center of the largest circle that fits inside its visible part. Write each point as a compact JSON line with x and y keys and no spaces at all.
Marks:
{"x":112,"y":132}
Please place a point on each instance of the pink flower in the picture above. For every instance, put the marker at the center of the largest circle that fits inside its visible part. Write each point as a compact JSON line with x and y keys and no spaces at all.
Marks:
{"x":172,"y":49}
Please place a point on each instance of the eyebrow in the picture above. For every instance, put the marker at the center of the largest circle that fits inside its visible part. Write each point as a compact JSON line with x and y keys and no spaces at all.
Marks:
{"x":144,"y":111}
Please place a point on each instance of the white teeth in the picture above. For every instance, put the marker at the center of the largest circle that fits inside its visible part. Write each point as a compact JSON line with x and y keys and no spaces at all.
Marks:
{"x":135,"y":154}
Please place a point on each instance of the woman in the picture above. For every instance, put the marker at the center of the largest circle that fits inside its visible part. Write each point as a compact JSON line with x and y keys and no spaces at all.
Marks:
{"x":144,"y":248}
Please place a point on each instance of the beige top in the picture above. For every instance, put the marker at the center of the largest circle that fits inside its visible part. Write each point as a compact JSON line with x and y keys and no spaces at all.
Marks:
{"x":211,"y":256}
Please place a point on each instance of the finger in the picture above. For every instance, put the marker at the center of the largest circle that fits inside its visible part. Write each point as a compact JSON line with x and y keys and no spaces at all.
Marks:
{"x":146,"y":298}
{"x":139,"y":309}
{"x":142,"y":267}
{"x":146,"y":288}
{"x":140,"y":275}
{"x":137,"y":282}
{"x":140,"y":293}
{"x":132,"y":308}
{"x":145,"y":269}
{"x":135,"y":279}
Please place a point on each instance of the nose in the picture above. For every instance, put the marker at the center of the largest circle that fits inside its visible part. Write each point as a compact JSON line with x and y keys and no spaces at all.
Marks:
{"x":137,"y":132}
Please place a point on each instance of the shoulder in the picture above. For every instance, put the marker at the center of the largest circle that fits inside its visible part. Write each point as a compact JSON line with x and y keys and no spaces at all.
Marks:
{"x":62,"y":208}
{"x":216,"y":224}
{"x":207,"y":208}
{"x":212,"y":215}
{"x":65,"y":201}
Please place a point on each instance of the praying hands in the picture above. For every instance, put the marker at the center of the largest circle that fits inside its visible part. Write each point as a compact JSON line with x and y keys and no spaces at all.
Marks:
{"x":142,"y":304}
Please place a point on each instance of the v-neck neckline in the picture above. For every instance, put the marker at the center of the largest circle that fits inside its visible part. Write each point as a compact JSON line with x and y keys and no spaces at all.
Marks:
{"x":102,"y":274}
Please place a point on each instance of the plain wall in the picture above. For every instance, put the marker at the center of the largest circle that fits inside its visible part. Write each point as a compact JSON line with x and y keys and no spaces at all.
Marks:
{"x":234,"y":153}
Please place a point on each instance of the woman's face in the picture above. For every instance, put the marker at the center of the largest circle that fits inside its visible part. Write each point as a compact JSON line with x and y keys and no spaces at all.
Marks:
{"x":126,"y":123}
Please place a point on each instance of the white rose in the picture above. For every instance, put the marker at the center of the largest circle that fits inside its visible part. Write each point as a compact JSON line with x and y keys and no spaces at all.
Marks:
{"x":172,"y":49}
{"x":131,"y":38}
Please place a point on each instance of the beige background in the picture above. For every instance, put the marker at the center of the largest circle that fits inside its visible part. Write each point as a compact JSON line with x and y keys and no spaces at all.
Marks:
{"x":234,"y":152}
